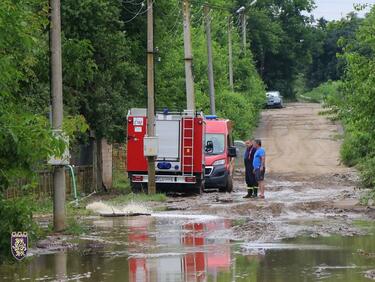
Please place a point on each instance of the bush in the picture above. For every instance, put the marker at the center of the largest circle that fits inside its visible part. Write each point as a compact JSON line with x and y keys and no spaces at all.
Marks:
{"x":355,"y":104}
{"x":16,"y":215}
{"x":237,"y":108}
{"x":367,"y":170}
{"x":320,"y":93}
{"x":355,"y":147}
{"x":121,"y":182}
{"x":243,"y":110}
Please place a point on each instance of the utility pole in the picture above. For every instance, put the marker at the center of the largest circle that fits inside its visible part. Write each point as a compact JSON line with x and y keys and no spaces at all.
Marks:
{"x":211,"y":83}
{"x":190,"y":99}
{"x":57,"y":114}
{"x":243,"y":20}
{"x":230,"y":55}
{"x":150,"y":94}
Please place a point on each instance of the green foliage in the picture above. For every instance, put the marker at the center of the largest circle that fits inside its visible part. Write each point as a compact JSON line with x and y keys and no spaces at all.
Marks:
{"x":75,"y":227}
{"x":240,"y":110}
{"x":367,"y":170}
{"x":101,"y":79}
{"x":356,"y":104}
{"x":328,"y":39}
{"x":281,"y":40}
{"x":121,"y":182}
{"x":16,"y":215}
{"x":241,"y":106}
{"x":42,"y":206}
{"x":320,"y":93}
{"x":26,"y":139}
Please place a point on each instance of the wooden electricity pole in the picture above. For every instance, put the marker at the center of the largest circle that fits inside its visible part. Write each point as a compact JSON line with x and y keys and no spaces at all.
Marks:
{"x":57,"y":114}
{"x":190,"y":98}
{"x":230,"y":53}
{"x":211,"y":83}
{"x":150,"y":94}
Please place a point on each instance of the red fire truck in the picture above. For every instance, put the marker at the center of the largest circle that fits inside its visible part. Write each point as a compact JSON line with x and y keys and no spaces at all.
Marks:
{"x":180,"y":159}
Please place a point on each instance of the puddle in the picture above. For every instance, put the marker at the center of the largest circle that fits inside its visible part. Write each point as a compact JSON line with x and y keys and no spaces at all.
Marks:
{"x":177,"y":247}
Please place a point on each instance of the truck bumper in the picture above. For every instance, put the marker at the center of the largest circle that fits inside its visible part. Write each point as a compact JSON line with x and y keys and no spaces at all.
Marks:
{"x":164,"y":179}
{"x":217,"y":178}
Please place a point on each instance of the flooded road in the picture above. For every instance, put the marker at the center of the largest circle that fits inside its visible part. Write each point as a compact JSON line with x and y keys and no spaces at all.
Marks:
{"x":310,"y":227}
{"x":176,"y":247}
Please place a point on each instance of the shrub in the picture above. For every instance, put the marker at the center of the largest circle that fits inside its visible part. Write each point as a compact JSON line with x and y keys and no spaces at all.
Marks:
{"x":367,"y":170}
{"x":16,"y":215}
{"x":320,"y":93}
{"x":355,"y":147}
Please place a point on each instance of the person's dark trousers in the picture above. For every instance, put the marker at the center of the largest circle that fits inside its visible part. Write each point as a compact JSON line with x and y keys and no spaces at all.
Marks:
{"x":249,"y":192}
{"x":255,"y":192}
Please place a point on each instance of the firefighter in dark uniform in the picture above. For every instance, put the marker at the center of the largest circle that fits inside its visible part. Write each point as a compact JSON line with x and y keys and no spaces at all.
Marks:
{"x":252,"y":185}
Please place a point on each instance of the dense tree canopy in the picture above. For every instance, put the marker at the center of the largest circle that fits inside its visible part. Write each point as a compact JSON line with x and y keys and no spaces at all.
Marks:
{"x":328,"y":39}
{"x":279,"y":32}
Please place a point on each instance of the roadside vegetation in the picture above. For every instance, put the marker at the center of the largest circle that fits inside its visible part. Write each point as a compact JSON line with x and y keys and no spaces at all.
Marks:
{"x":104,"y":74}
{"x":341,"y":77}
{"x":321,"y":93}
{"x":355,"y":104}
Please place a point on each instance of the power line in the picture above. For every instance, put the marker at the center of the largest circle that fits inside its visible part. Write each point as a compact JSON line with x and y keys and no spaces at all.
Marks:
{"x":139,"y":13}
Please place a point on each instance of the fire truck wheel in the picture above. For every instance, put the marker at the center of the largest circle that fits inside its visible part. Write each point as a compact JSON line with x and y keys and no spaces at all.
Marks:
{"x":229,"y":187}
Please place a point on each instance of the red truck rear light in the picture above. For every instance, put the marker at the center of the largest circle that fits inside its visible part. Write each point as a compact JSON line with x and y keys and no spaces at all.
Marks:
{"x":190,"y":179}
{"x":137,"y":178}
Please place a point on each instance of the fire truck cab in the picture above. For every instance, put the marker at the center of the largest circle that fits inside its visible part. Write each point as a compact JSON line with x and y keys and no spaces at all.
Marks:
{"x":220,"y":154}
{"x":180,"y":159}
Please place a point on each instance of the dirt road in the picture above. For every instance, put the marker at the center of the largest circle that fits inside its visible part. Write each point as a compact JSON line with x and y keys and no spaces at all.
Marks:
{"x":300,"y":141}
{"x":308,"y":191}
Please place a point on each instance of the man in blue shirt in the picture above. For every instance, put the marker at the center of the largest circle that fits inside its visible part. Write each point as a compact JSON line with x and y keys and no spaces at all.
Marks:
{"x":259,"y":164}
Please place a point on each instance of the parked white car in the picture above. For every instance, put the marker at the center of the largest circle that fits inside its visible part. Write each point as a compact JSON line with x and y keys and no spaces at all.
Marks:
{"x":274,"y":99}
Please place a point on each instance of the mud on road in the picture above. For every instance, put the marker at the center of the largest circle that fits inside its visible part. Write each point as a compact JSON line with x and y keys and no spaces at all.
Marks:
{"x":308,"y":191}
{"x":224,"y":237}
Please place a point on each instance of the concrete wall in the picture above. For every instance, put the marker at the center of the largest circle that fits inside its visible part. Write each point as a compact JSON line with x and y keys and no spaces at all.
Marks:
{"x":106,"y":163}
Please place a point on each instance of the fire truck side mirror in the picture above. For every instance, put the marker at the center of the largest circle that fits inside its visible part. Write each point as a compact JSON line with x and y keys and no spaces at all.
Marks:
{"x":209,"y":146}
{"x":232,"y":152}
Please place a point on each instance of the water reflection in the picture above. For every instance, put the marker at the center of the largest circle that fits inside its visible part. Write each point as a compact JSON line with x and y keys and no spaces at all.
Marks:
{"x":168,"y":248}
{"x":194,"y":254}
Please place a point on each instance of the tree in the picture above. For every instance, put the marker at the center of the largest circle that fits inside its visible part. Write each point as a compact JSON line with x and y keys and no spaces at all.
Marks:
{"x":25,"y":137}
{"x":355,"y":104}
{"x":101,"y":80}
{"x":328,"y":39}
{"x":278,"y":31}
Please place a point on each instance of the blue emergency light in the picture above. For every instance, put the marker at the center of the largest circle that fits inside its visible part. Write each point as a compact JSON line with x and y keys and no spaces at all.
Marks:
{"x":164,"y":165}
{"x":211,"y":117}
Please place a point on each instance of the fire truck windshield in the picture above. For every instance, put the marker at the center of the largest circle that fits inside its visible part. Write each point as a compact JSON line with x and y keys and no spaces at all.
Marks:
{"x":218,"y":141}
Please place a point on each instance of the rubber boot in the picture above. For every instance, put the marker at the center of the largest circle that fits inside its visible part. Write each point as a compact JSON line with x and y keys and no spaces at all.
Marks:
{"x":255,"y":193}
{"x":249,"y":193}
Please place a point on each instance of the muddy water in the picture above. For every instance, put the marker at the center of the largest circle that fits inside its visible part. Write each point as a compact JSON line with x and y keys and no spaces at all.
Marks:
{"x":175,"y":247}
